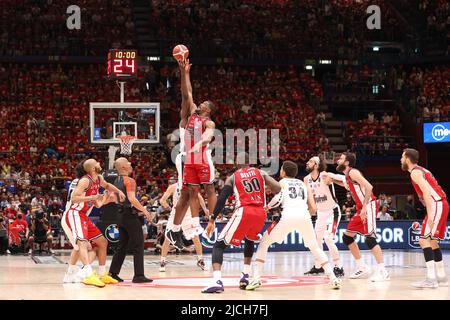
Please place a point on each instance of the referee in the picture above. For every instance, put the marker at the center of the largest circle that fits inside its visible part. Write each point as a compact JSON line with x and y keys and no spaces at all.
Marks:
{"x":130,"y":225}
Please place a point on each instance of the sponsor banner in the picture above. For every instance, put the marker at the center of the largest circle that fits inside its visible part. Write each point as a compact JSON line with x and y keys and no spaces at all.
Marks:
{"x":390,"y":235}
{"x":436,"y":132}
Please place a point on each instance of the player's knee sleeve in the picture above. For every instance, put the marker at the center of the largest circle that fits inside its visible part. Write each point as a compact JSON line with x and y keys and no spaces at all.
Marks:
{"x":249,"y":248}
{"x":437,"y":255}
{"x":348,"y":240}
{"x":218,"y":249}
{"x":371,"y":242}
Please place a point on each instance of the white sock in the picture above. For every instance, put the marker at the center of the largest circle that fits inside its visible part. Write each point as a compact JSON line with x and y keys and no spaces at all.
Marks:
{"x":246,"y":269}
{"x":258,"y":270}
{"x":328,"y":271}
{"x":87,"y":270}
{"x":359,"y":263}
{"x":72,"y":268}
{"x":381,"y":266}
{"x":163,"y":259}
{"x":217,"y":275}
{"x":200,"y":257}
{"x":431,"y":269}
{"x":440,"y":270}
{"x":101,"y":270}
{"x":176,"y":227}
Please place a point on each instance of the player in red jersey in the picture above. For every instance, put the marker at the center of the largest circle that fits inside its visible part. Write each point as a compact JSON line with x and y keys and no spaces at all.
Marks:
{"x":81,"y":228}
{"x":247,"y":221}
{"x":364,"y":221}
{"x":198,"y":167}
{"x":435,"y":223}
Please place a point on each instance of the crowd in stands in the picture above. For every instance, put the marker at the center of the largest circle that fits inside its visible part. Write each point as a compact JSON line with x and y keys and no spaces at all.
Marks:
{"x":314,"y":26}
{"x":377,"y":135}
{"x":39,"y":28}
{"x":437,"y":13}
{"x":426,"y":92}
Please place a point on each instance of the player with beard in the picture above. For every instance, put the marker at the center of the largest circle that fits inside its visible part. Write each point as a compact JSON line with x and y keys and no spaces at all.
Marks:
{"x":434,"y":225}
{"x":364,"y":221}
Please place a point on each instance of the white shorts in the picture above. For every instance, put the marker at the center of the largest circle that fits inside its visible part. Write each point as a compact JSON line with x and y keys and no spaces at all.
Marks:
{"x":292,"y":221}
{"x":191,"y":226}
{"x":327,"y":222}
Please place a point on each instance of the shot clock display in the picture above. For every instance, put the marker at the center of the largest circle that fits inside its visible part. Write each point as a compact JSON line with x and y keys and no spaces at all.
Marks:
{"x":122,"y":63}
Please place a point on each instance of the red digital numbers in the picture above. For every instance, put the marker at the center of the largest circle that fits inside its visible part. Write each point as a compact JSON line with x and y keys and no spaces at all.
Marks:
{"x":122,"y":63}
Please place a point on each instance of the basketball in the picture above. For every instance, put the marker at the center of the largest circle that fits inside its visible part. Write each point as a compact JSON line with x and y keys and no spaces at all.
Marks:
{"x":180,"y":52}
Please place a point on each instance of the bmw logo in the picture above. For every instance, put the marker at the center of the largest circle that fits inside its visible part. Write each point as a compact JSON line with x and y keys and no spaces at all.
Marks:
{"x":112,"y":233}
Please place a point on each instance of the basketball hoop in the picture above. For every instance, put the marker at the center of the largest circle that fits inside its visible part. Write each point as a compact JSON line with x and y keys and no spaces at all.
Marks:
{"x":126,"y":144}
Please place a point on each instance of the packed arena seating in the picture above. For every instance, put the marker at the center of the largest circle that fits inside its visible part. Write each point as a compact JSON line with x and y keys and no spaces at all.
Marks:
{"x":426,"y":92}
{"x":39,"y":28}
{"x":217,"y":29}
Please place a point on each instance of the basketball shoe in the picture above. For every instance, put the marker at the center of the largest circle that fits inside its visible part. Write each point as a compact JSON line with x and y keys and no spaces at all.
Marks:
{"x":314,"y":271}
{"x":107,"y":279}
{"x":93,"y":280}
{"x":255,"y":283}
{"x":201,"y":264}
{"x":243,"y":282}
{"x":217,"y":287}
{"x":427,"y":283}
{"x":380,"y":275}
{"x":338,"y":272}
{"x":175,"y":238}
{"x":442,"y":282}
{"x":360,"y":273}
{"x":162,"y":266}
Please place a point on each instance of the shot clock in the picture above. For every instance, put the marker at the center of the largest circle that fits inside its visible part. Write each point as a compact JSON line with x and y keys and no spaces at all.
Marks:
{"x":122,"y":63}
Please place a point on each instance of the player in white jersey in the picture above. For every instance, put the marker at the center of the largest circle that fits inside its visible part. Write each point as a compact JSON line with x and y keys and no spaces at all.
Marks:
{"x":296,"y":198}
{"x":328,"y":213}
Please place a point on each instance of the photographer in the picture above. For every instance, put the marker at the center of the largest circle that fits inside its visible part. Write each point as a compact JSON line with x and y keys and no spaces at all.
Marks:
{"x":3,"y":234}
{"x":40,"y":231}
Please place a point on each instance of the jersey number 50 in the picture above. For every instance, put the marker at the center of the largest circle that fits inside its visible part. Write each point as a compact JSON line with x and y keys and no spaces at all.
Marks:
{"x":252,"y":185}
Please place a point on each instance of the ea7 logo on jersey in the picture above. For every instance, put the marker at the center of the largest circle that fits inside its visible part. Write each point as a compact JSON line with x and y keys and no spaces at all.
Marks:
{"x":112,"y":233}
{"x":414,"y":235}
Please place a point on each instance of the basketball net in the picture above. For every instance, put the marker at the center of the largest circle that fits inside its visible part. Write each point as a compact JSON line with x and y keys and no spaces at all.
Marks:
{"x":126,"y":144}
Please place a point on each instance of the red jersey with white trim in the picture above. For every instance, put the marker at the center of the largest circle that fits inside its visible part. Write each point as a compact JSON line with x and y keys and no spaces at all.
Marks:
{"x":436,"y":191}
{"x":93,"y":189}
{"x":249,"y":187}
{"x":357,"y":191}
{"x":194,"y":130}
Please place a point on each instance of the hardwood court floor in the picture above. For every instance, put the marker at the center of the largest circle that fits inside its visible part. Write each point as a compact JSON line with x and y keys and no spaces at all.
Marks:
{"x":22,"y":278}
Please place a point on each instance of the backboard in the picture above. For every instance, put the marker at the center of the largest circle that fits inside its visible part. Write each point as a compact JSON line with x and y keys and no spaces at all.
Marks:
{"x":108,"y":120}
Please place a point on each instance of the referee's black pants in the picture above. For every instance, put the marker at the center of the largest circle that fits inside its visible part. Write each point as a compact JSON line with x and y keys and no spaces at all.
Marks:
{"x":130,"y":235}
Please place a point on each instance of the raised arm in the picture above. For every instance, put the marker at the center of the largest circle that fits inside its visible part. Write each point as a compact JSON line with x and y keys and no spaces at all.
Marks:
{"x":187,"y":102}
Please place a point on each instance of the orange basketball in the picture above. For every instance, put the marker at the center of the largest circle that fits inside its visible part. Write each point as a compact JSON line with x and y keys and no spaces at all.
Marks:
{"x":180,"y":52}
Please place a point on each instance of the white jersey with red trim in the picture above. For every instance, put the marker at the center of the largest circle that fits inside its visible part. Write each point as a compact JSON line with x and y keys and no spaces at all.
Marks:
{"x":324,"y":195}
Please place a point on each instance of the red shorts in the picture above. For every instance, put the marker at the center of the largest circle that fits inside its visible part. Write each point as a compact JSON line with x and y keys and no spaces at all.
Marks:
{"x":367,"y":228}
{"x":440,"y":214}
{"x":197,"y":174}
{"x":78,"y":226}
{"x":246,"y":222}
